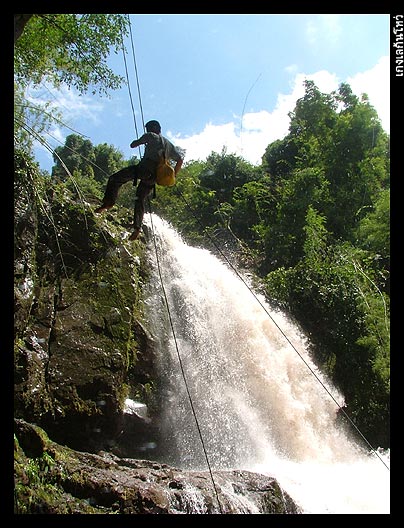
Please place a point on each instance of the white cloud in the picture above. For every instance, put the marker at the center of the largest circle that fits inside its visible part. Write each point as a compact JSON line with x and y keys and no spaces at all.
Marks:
{"x":68,"y":101}
{"x":212,"y":138}
{"x":71,"y":105}
{"x":292,"y":69}
{"x":376,"y":84}
{"x":259,"y":129}
{"x":248,"y":139}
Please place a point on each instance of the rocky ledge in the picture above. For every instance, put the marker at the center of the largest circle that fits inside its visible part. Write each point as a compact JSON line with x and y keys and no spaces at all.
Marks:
{"x":58,"y":480}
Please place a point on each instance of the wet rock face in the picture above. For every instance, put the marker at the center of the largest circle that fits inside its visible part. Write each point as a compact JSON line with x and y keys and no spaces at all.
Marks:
{"x":109,"y":484}
{"x":78,"y":348}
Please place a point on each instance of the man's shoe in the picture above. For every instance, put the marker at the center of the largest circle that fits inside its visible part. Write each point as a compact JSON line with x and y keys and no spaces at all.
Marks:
{"x":102,"y":208}
{"x":135,"y":234}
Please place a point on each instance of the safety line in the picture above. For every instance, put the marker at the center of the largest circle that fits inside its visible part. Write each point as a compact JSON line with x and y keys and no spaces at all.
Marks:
{"x":130,"y":91}
{"x":163,"y":288}
{"x":282,"y":332}
{"x":135,"y":65}
{"x":242,"y":113}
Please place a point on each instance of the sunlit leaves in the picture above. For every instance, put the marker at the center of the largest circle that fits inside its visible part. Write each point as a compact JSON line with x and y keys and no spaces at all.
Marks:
{"x":70,"y":49}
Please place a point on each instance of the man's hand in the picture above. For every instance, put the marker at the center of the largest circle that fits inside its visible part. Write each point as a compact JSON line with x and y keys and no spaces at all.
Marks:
{"x":178,"y":166}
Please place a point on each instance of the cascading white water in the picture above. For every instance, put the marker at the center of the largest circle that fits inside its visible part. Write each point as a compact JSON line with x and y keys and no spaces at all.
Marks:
{"x":258,"y":405}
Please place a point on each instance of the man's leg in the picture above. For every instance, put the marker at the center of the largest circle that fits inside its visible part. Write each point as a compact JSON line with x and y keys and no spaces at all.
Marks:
{"x":115,"y":182}
{"x":142,"y":192}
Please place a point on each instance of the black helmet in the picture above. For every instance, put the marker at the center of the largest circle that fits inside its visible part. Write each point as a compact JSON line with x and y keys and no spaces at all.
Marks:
{"x":153,"y":126}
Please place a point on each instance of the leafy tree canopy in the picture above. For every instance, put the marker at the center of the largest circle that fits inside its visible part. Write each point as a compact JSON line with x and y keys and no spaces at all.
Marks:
{"x":224,"y":172}
{"x":70,"y":49}
{"x":58,"y":49}
{"x":80,"y":155}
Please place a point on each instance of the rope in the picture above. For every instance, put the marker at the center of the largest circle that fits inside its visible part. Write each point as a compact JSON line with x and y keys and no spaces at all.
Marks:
{"x":283,"y":333}
{"x":162,"y":284}
{"x":137,"y":76}
{"x":130,"y":92}
{"x":242,"y":113}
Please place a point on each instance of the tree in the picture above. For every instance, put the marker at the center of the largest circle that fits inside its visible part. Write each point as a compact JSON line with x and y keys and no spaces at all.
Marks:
{"x":311,"y":123}
{"x":61,"y":48}
{"x":80,"y":155}
{"x":279,"y":158}
{"x":108,"y":160}
{"x":285,"y":237}
{"x":224,"y":173}
{"x":254,"y":206}
{"x":68,"y":48}
{"x":77,"y":155}
{"x":374,"y":229}
{"x":342,"y":136}
{"x":20,"y":21}
{"x":373,"y":235}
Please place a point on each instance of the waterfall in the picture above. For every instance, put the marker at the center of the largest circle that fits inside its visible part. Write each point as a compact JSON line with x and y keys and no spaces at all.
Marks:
{"x":258,"y":405}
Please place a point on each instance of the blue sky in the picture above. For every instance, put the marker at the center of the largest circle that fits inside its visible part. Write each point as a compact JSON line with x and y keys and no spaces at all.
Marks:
{"x":228,"y":80}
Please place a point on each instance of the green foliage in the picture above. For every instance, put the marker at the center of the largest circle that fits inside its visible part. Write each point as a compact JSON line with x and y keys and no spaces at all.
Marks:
{"x":223,"y":173}
{"x":39,"y":485}
{"x":349,"y":146}
{"x":254,"y":205}
{"x":373,"y":232}
{"x":347,"y":319}
{"x":77,"y":154}
{"x":70,"y":49}
{"x":279,"y":159}
{"x":188,"y":206}
{"x":108,"y":160}
{"x":207,"y":188}
{"x":284,"y":238}
{"x":93,"y":162}
{"x":58,"y":49}
{"x":30,"y":121}
{"x":311,"y":122}
{"x":85,"y":188}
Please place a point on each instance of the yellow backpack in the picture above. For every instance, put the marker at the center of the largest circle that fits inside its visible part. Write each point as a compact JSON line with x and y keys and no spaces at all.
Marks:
{"x":165,"y":173}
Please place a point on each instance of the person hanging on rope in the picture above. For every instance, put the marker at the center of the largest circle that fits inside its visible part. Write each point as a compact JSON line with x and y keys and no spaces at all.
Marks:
{"x":144,"y":171}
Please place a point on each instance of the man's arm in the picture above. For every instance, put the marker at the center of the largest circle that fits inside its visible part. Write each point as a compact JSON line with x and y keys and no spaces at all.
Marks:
{"x":137,"y":142}
{"x":178,"y":166}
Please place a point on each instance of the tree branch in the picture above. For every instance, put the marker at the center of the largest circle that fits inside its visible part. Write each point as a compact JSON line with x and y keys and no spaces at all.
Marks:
{"x":19,"y":25}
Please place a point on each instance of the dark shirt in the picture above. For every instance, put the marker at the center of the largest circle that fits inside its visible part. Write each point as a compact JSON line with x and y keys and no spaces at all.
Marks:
{"x":156,"y":144}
